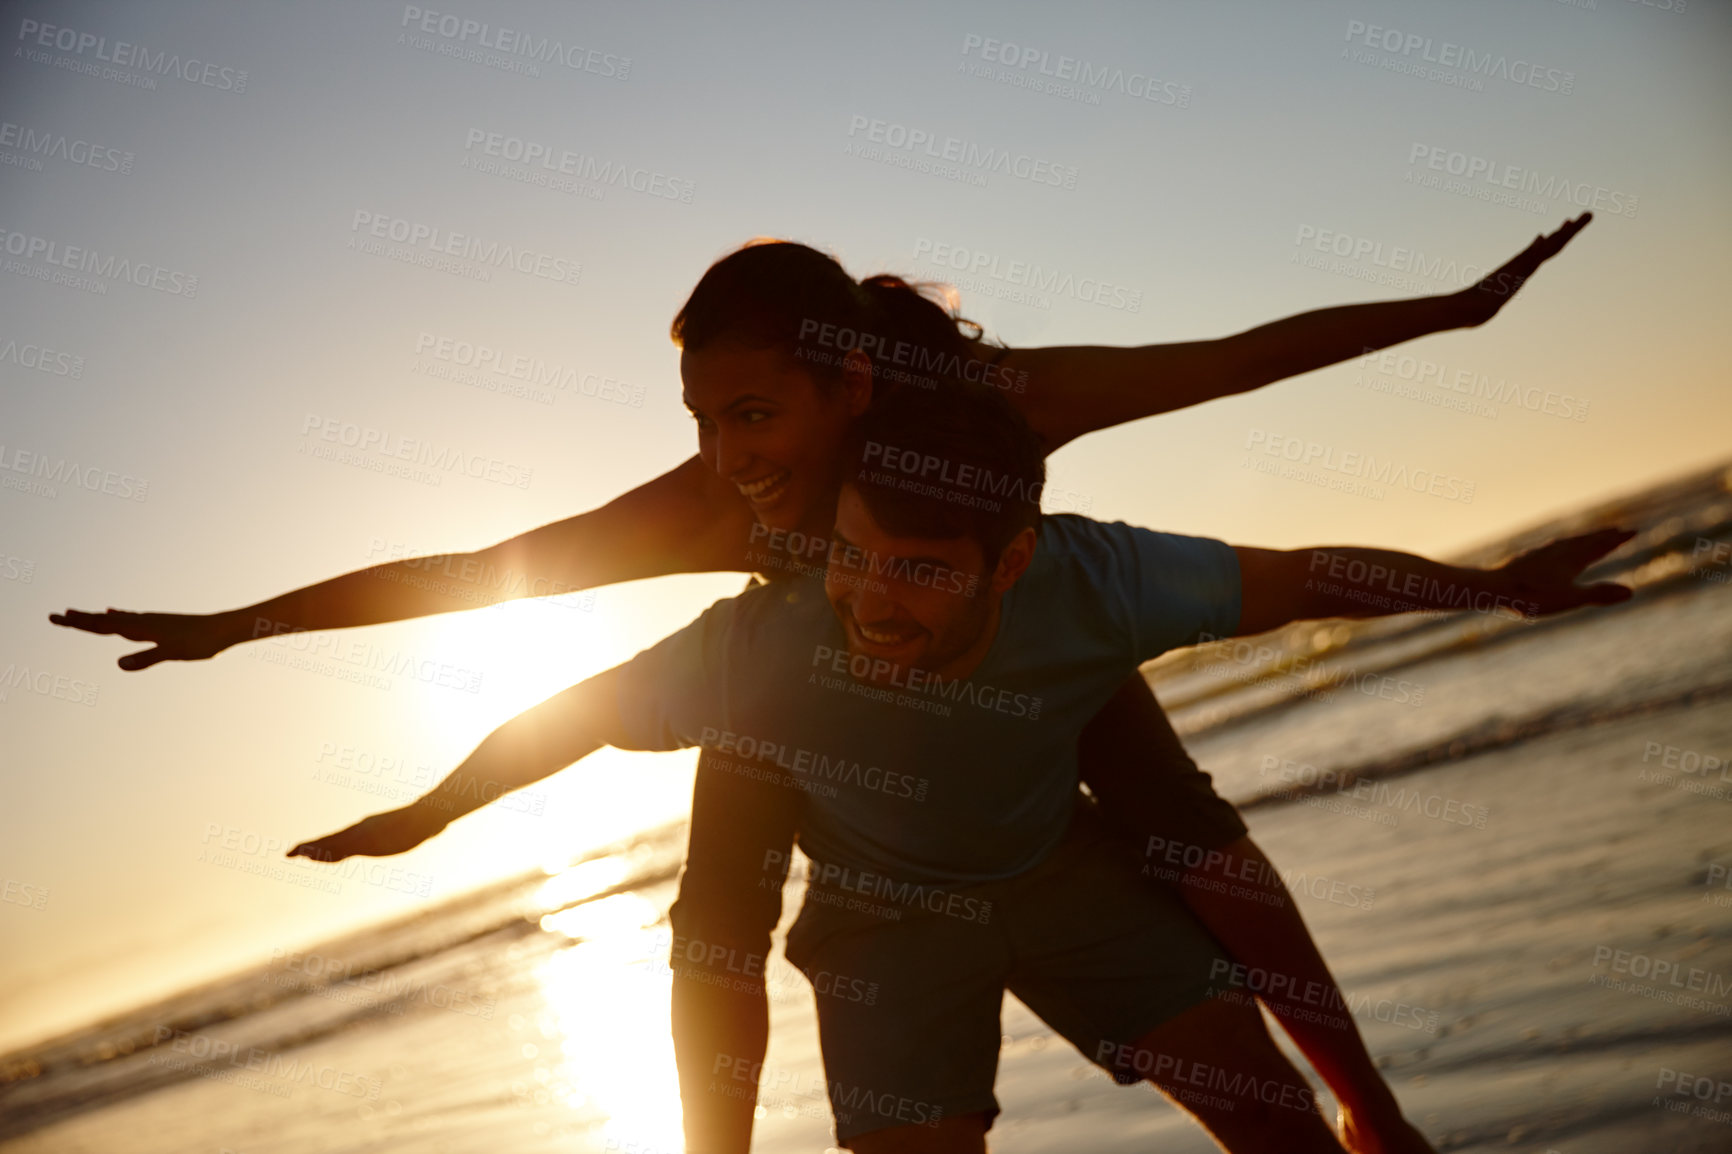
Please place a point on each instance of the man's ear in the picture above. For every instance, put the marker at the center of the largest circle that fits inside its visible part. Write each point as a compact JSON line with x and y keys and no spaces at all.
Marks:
{"x":1014,"y":561}
{"x":857,"y":381}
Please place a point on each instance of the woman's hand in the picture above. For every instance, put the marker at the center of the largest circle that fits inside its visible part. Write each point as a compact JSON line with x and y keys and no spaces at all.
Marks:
{"x":382,"y":835}
{"x":177,"y":636}
{"x":1481,"y":302}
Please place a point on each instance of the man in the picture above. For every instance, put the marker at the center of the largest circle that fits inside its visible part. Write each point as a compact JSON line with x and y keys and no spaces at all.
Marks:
{"x":934,"y":685}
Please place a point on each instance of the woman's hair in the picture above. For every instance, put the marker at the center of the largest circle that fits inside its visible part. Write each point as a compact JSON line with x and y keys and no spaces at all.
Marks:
{"x":785,"y":295}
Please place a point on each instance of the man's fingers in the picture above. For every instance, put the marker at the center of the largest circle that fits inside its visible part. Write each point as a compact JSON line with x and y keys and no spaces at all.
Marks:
{"x":320,"y":850}
{"x":1592,"y":546}
{"x":1607,"y":593}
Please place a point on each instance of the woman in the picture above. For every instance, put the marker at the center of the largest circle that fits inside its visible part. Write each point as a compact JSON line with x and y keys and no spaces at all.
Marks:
{"x":781,"y":349}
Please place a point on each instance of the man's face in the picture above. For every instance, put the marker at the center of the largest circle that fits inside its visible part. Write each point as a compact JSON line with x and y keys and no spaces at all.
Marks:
{"x":911,"y":602}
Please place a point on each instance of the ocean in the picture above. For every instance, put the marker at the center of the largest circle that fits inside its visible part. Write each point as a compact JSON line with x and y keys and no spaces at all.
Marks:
{"x":1511,"y":838}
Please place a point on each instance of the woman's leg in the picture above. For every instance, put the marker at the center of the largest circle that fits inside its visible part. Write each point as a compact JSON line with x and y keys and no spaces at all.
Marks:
{"x":1191,"y":838}
{"x":1217,"y":1062}
{"x":730,"y":899}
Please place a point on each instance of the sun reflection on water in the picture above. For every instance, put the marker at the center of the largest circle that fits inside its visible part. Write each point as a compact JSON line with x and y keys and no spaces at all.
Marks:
{"x":607,"y":995}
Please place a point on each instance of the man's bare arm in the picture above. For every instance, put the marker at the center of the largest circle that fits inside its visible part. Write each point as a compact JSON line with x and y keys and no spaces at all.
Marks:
{"x":1281,"y":586}
{"x":537,"y":743}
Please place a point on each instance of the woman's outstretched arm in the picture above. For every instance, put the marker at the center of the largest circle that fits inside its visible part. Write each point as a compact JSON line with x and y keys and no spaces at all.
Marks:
{"x":685,"y":521}
{"x":1076,"y":389}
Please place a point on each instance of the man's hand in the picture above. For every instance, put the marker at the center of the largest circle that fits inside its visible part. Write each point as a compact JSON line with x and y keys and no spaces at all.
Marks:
{"x":382,"y":835}
{"x":177,"y":636}
{"x":1544,"y":579}
{"x":1481,"y":302}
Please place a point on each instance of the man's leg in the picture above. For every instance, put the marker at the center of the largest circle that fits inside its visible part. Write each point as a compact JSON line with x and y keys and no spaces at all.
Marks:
{"x":908,"y":997}
{"x":742,"y":835}
{"x":1190,"y":837}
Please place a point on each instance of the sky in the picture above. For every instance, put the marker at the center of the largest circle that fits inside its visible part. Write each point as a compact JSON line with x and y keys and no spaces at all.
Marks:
{"x":250,"y":250}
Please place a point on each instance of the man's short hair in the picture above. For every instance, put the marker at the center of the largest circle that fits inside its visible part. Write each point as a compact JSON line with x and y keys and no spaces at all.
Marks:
{"x":955,"y":461}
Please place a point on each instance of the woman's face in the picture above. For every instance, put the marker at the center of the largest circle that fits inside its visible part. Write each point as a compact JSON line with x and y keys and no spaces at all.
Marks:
{"x":768,"y":427}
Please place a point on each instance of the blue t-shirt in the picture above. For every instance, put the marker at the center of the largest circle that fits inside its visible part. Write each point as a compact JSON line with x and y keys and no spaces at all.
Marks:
{"x":932,"y":781}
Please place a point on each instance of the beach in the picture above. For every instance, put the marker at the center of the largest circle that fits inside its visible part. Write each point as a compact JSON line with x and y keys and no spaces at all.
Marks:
{"x":1511,"y":840}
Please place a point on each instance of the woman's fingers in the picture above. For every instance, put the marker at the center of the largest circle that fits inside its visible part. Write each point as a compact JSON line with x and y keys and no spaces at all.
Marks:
{"x":89,"y":622}
{"x":143,"y":659}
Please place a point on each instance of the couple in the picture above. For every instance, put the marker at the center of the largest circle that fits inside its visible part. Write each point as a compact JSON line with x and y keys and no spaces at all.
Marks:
{"x":772,"y":416}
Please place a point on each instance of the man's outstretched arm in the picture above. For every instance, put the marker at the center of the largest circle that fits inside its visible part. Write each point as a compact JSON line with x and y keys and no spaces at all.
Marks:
{"x":537,"y":743}
{"x":1282,"y":586}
